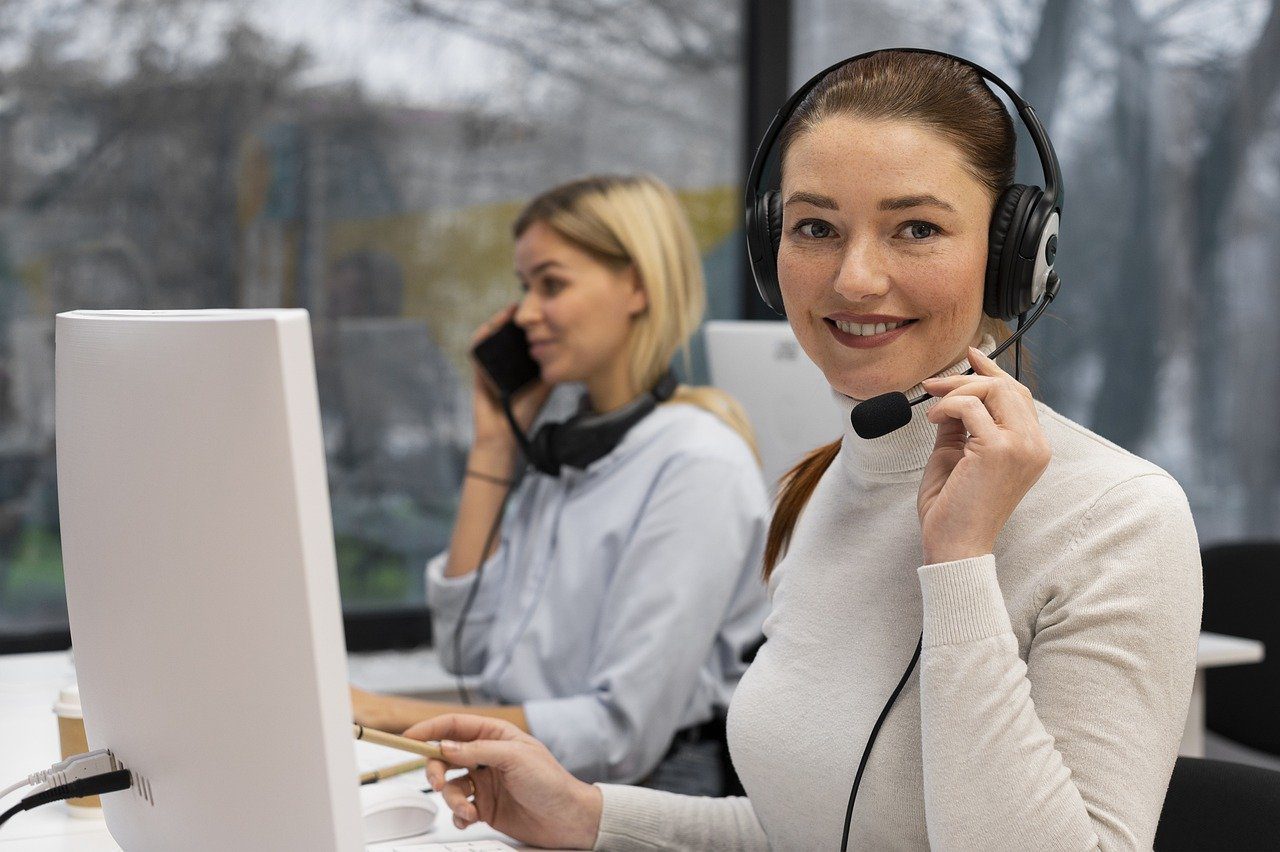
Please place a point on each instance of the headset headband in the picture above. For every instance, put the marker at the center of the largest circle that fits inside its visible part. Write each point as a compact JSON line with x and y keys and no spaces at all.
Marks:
{"x":1044,"y":148}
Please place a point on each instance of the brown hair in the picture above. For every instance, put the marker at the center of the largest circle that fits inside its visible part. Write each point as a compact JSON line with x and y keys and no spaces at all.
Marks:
{"x":934,"y":92}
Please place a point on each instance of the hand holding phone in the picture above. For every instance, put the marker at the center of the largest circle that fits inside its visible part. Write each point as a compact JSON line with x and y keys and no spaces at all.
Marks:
{"x":504,"y":356}
{"x":504,"y":368}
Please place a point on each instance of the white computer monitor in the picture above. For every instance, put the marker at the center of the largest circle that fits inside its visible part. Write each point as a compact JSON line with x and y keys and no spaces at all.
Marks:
{"x":786,"y":397}
{"x":201,"y":582}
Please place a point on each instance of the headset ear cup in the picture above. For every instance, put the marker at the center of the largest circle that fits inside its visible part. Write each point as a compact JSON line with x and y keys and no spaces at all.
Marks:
{"x":768,"y":213}
{"x":1003,"y":236}
{"x":773,"y":204}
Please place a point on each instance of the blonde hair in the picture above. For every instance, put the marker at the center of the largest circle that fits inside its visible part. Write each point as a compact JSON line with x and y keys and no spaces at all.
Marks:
{"x":637,"y":221}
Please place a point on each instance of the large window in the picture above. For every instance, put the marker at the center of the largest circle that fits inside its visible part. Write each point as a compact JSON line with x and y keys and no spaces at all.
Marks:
{"x":1166,"y":118}
{"x":360,"y":160}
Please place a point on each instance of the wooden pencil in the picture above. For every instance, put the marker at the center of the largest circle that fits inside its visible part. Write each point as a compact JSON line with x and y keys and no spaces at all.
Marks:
{"x":429,"y":749}
{"x":392,"y":770}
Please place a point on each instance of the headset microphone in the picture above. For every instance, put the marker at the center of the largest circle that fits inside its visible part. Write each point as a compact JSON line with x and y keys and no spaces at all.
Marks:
{"x":880,"y":415}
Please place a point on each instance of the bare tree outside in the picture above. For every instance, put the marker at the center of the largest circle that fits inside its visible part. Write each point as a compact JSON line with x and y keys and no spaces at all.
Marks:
{"x":1166,"y":119}
{"x":363,"y":161}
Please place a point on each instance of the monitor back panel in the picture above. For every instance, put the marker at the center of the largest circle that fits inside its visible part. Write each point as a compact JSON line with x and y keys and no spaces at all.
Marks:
{"x":201,"y":582}
{"x":786,"y":397}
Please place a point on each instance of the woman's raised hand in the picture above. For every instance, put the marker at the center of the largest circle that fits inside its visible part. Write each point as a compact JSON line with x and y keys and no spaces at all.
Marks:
{"x":512,"y":783}
{"x":491,"y":428}
{"x":990,"y":450}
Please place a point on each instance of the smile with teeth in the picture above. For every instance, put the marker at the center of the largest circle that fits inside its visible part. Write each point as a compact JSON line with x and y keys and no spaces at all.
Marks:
{"x":868,"y":329}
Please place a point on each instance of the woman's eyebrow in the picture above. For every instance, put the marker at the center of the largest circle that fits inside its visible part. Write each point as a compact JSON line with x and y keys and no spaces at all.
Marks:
{"x":542,"y":267}
{"x":905,"y":202}
{"x":801,"y":197}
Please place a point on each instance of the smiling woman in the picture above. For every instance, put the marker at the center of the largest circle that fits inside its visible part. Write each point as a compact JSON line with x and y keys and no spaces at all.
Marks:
{"x":1047,"y":580}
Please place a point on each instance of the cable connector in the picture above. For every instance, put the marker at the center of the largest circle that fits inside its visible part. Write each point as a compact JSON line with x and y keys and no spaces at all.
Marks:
{"x":96,"y":785}
{"x":96,"y":762}
{"x":65,"y":771}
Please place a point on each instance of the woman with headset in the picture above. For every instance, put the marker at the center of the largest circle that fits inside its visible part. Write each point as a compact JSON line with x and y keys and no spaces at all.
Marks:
{"x":984,"y":620}
{"x":613,"y":609}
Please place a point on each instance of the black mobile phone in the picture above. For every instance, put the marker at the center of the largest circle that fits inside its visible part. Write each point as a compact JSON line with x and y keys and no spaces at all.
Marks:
{"x":504,"y":356}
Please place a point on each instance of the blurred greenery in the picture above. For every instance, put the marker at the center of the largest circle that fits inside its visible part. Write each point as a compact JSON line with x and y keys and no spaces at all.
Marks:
{"x":370,"y":574}
{"x":31,"y":584}
{"x":31,"y":588}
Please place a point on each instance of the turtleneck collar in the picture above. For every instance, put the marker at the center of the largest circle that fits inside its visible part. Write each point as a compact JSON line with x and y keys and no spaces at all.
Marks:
{"x":904,"y":450}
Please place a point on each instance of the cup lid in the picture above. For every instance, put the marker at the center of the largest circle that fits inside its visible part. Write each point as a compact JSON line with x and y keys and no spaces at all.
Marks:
{"x":68,"y":703}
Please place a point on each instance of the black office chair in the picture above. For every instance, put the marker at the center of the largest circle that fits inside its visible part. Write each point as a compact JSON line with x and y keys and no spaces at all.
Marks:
{"x":1241,"y":588}
{"x":1215,"y":805}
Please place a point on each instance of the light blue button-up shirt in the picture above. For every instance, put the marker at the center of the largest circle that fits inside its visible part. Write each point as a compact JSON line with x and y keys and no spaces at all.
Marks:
{"x":620,"y":597}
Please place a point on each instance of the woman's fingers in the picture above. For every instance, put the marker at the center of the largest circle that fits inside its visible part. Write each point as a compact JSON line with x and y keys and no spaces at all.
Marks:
{"x":498,"y":754}
{"x":457,"y":795}
{"x":494,"y":322}
{"x":435,"y":773}
{"x":985,"y":365}
{"x":1009,"y":402}
{"x":463,"y":727}
{"x":970,"y":411}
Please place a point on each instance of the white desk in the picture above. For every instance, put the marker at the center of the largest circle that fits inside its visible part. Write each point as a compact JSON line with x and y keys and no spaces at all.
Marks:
{"x":1214,"y":650}
{"x":30,"y":682}
{"x":29,"y":741}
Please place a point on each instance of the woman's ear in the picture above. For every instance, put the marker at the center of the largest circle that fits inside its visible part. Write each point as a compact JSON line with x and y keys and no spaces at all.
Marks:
{"x":638,"y":296}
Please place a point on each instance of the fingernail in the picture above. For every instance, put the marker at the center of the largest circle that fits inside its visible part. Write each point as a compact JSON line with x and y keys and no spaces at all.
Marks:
{"x":447,"y":745}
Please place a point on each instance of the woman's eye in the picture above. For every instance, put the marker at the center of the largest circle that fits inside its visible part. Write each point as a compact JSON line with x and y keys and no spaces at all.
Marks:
{"x":919,"y":230}
{"x":815,"y":230}
{"x":552,"y":286}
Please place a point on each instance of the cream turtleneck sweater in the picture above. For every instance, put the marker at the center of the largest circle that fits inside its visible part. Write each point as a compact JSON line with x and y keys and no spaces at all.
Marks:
{"x":1050,"y":697}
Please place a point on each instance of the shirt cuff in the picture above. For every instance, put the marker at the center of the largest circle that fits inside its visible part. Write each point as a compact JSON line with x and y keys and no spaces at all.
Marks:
{"x":572,"y":729}
{"x":447,"y":594}
{"x":962,"y":601}
{"x":632,"y":819}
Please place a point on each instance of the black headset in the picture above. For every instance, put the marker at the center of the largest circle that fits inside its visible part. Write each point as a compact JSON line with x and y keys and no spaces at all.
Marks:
{"x":586,"y":437}
{"x":1023,"y":238}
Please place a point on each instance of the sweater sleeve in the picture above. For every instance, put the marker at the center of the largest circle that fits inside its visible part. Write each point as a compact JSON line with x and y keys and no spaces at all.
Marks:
{"x":1072,"y":749}
{"x":636,"y":819}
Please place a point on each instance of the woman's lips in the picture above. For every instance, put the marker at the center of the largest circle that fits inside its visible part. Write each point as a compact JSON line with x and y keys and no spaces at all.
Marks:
{"x":539,"y":348}
{"x":860,"y":341}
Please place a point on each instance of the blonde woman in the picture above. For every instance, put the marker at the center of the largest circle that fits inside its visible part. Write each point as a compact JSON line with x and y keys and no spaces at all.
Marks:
{"x":618,"y":599}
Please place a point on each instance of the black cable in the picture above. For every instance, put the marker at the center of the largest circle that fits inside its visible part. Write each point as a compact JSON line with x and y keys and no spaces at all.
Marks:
{"x":1017,"y":351}
{"x":478,"y":575}
{"x":107,"y":782}
{"x":866,"y":751}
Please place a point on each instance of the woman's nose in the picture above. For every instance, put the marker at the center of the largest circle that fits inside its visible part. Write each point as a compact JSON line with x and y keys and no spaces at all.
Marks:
{"x":863,"y":273}
{"x":528,"y":311}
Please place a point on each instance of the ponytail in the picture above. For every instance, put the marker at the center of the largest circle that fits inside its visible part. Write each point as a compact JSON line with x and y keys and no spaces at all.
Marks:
{"x":797,"y":487}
